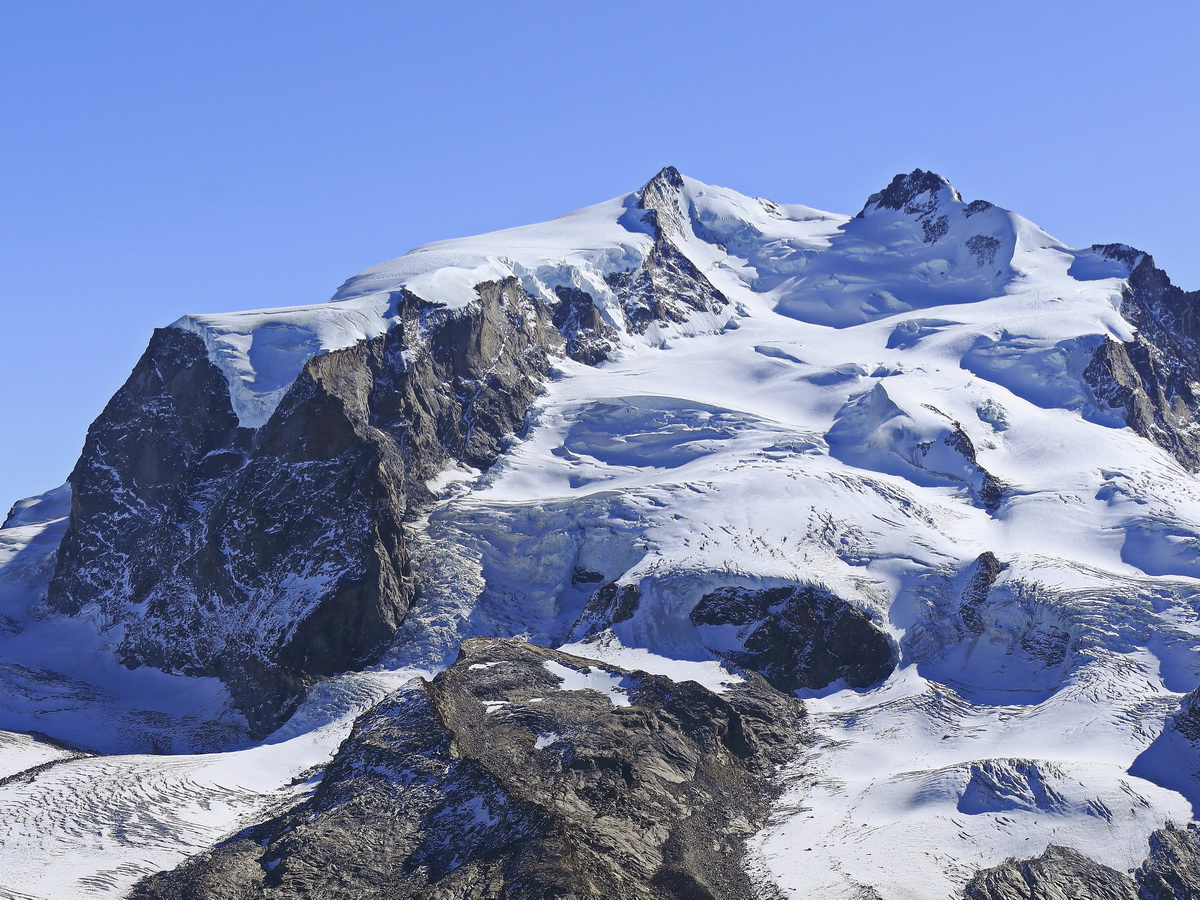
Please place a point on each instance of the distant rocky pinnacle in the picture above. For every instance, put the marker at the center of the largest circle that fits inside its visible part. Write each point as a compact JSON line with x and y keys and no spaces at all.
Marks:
{"x":904,"y":192}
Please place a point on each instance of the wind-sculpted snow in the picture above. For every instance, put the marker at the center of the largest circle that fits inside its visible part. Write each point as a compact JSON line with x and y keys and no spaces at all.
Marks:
{"x":928,"y":467}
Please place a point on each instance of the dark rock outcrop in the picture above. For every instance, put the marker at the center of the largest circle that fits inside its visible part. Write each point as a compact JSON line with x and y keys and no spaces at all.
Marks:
{"x":987,"y":487}
{"x":796,"y":637}
{"x":917,"y":194}
{"x":984,"y":572}
{"x":1170,"y":872}
{"x":667,"y":287}
{"x":1060,"y":873}
{"x":500,"y":779}
{"x":1153,"y":381}
{"x":1187,"y":720}
{"x":611,"y":604}
{"x":589,"y":338}
{"x":274,"y":557}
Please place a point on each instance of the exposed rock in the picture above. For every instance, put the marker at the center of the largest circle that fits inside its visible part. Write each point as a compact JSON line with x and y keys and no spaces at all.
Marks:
{"x":1172,"y":872}
{"x":1187,"y":720}
{"x":1060,"y":873}
{"x":904,"y":193}
{"x":1153,"y":381}
{"x":667,"y":287}
{"x":797,"y":637}
{"x":875,"y":431}
{"x":977,"y":206}
{"x":522,"y":772}
{"x":609,"y":605}
{"x":985,"y":570}
{"x":982,"y":246}
{"x":589,"y":338}
{"x":1046,"y":643}
{"x":991,"y":489}
{"x":271,"y":558}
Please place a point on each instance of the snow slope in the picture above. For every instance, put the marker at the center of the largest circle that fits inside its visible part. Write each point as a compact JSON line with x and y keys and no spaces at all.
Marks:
{"x":888,"y":398}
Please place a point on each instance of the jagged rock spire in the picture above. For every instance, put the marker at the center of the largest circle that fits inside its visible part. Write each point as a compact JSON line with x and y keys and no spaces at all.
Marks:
{"x":904,"y":191}
{"x":662,"y":198}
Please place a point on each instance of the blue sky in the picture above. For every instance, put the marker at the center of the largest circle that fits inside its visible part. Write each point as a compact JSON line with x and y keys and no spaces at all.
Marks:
{"x":165,"y":158}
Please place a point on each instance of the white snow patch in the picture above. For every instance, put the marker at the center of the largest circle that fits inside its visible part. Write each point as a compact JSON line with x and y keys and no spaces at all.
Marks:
{"x":593,"y":679}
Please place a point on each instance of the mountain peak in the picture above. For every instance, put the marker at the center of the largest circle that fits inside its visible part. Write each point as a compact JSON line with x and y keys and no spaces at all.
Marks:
{"x":904,"y":190}
{"x":662,"y":198}
{"x":668,"y":177}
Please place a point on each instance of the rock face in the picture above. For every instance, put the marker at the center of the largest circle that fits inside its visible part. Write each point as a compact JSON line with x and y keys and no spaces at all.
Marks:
{"x":1187,"y":720}
{"x":1151,"y":381}
{"x":1171,"y":872}
{"x":1060,"y":873}
{"x":669,"y":287}
{"x":984,"y":573}
{"x":522,"y":772}
{"x":797,"y":637}
{"x":918,"y":194}
{"x":273,"y":557}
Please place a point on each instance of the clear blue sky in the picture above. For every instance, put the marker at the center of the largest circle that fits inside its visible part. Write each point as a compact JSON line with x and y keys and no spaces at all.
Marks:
{"x":163,"y":158}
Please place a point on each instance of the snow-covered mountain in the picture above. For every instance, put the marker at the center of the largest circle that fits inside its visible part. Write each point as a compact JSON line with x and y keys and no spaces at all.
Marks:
{"x":796,"y":555}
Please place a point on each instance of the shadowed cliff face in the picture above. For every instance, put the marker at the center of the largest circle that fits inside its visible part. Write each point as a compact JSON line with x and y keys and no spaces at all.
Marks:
{"x":274,"y":557}
{"x":797,"y":637}
{"x":523,"y":773}
{"x":1152,"y":380}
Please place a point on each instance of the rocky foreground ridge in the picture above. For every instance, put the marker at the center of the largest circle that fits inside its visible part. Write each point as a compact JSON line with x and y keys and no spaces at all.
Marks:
{"x":496,"y":780}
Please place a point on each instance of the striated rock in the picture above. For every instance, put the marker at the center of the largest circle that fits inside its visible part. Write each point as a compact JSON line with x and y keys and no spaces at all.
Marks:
{"x":797,"y":637}
{"x":522,"y":772}
{"x":274,"y":557}
{"x":1172,"y":871}
{"x":1153,"y":381}
{"x":1060,"y":873}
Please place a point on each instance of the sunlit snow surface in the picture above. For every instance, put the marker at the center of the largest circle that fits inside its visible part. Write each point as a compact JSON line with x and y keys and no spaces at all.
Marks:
{"x":786,"y":441}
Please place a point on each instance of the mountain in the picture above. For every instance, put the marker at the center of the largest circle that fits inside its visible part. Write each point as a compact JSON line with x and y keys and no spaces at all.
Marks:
{"x":687,"y":545}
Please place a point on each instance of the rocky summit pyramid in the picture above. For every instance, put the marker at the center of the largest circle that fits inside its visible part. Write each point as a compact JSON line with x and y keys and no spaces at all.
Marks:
{"x":689,"y":545}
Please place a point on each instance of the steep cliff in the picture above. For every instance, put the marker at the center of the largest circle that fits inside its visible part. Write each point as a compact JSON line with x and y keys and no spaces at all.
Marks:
{"x":1153,"y":380}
